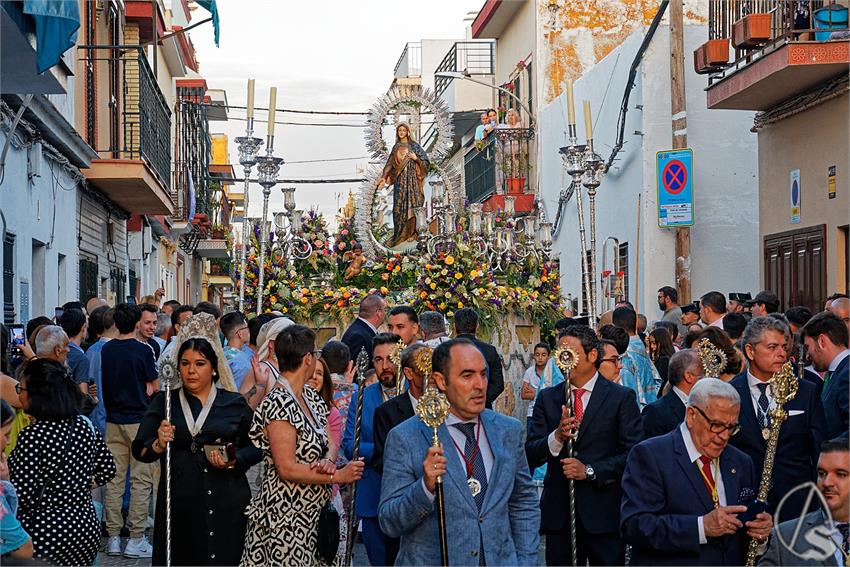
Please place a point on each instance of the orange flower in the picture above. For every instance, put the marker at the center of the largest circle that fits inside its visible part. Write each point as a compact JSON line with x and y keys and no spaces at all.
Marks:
{"x":340,"y":303}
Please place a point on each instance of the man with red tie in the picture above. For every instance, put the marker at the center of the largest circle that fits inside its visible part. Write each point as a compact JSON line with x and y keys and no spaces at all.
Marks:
{"x":685,"y":493}
{"x":605,"y":425}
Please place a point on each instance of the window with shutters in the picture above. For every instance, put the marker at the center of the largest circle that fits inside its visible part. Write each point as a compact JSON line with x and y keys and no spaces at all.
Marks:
{"x":795,"y":267}
{"x":117,"y":280}
{"x":9,"y":278}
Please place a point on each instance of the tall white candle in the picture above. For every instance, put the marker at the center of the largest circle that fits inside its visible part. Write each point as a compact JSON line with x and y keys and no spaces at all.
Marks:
{"x":571,"y":111}
{"x":272,"y":102}
{"x":588,"y":122}
{"x":250,"y":98}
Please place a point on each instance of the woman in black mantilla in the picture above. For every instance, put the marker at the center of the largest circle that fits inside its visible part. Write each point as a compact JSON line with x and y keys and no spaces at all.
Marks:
{"x":210,"y":452}
{"x":406,"y":168}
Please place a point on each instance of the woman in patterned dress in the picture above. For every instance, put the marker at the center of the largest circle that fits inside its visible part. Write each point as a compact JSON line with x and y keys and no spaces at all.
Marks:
{"x":54,"y":465}
{"x":290,"y":427}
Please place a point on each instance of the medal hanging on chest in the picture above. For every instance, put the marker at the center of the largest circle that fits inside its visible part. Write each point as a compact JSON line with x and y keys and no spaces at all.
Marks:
{"x":196,"y":426}
{"x":473,"y":483}
{"x":474,"y":486}
{"x":765,"y":433}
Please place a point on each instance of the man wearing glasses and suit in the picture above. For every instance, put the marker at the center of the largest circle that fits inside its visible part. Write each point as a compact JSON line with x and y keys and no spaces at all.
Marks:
{"x":683,"y":491}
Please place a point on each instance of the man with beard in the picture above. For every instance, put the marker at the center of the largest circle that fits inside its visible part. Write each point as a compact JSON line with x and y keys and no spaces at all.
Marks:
{"x":369,"y":487}
{"x":668,"y":302}
{"x":393,"y":412}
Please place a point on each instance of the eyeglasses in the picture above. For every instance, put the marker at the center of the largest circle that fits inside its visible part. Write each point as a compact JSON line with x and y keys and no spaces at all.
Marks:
{"x":316,"y":353}
{"x":19,"y":388}
{"x":618,"y":360}
{"x":718,"y":427}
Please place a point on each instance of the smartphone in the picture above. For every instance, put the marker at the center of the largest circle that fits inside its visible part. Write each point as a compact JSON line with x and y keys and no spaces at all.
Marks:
{"x":754,"y":508}
{"x":227,"y":452}
{"x":17,"y":337}
{"x":131,"y":299}
{"x":58,"y":312}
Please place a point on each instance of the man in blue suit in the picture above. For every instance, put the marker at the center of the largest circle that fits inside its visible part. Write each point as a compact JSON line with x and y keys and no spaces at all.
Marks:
{"x":765,"y":341}
{"x":682,"y":491}
{"x":492,"y":516}
{"x":369,"y":487}
{"x":826,"y":339}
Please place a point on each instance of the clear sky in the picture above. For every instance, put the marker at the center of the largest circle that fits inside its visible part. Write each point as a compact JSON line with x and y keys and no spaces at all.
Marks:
{"x":337,"y":55}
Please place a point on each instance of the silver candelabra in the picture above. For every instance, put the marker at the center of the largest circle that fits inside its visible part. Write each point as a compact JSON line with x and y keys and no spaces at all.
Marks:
{"x":268,"y":168}
{"x":249,"y":147}
{"x":289,"y":244}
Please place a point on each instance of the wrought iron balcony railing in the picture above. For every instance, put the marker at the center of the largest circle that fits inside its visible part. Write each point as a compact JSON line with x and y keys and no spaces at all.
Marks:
{"x":472,"y":57}
{"x":192,"y":152}
{"x":499,"y":164}
{"x":139,"y":121}
{"x":760,"y":25}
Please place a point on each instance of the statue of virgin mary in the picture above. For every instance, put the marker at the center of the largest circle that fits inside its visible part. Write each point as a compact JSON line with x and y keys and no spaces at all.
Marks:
{"x":405,"y":170}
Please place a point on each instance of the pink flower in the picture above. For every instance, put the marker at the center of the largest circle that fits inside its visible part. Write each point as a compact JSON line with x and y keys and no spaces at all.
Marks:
{"x":344,"y":232}
{"x":341,"y":245}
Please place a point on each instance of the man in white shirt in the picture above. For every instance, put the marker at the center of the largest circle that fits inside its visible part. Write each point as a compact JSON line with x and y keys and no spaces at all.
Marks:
{"x":682,"y":491}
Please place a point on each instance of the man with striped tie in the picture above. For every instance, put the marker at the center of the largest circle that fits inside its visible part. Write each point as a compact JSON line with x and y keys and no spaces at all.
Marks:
{"x":605,"y":425}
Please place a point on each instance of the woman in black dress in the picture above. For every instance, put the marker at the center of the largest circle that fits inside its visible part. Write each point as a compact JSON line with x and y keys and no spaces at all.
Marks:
{"x":56,"y":461}
{"x":209,"y":491}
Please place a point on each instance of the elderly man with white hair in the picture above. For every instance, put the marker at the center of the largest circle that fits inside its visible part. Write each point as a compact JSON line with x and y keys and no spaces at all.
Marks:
{"x":433,"y":327}
{"x":52,"y":343}
{"x":265,"y":373}
{"x":685,"y":494}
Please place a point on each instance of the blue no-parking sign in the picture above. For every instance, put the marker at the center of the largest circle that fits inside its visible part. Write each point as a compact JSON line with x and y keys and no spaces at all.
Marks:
{"x":674,"y":170}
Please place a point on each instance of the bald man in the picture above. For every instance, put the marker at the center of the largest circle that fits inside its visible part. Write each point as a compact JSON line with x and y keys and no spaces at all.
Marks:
{"x":841,"y":308}
{"x":94,"y":303}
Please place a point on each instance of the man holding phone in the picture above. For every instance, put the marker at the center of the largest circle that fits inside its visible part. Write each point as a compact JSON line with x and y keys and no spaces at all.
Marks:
{"x":685,"y":493}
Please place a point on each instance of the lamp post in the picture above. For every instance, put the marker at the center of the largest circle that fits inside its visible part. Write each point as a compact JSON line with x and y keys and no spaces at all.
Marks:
{"x":468,"y":77}
{"x":249,"y":147}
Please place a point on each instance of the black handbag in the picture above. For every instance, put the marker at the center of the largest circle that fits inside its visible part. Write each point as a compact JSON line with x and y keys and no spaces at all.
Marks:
{"x":328,"y":540}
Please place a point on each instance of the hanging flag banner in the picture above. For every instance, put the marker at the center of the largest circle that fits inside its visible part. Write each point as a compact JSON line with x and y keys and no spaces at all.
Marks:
{"x":796,"y":195}
{"x":675,"y":189}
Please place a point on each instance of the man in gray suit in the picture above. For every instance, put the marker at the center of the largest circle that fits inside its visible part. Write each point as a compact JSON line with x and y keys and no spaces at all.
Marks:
{"x":814,"y":539}
{"x":492,"y":512}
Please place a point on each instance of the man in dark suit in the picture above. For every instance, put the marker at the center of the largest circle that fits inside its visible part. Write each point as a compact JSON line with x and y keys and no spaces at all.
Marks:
{"x":391,"y":413}
{"x":682,"y":491}
{"x":359,"y":334}
{"x":403,"y":406}
{"x":826,"y":339}
{"x":667,"y":412}
{"x":765,"y":342}
{"x":607,"y":421}
{"x":369,"y":487}
{"x":466,"y":325}
{"x":819,"y":538}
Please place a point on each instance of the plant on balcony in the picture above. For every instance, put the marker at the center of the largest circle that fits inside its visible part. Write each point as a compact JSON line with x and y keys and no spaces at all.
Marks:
{"x":220,"y":231}
{"x":514,"y":167}
{"x":220,"y":266}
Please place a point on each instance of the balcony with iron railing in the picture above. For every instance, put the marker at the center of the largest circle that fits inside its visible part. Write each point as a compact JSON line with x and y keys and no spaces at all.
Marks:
{"x":500,"y":165}
{"x":779,"y":49}
{"x":130,"y":129}
{"x":473,"y":58}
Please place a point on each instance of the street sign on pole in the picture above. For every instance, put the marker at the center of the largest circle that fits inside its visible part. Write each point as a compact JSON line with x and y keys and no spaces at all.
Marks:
{"x":675,"y":189}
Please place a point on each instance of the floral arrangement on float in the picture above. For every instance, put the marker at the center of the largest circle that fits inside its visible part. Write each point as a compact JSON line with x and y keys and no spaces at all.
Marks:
{"x":442,"y":281}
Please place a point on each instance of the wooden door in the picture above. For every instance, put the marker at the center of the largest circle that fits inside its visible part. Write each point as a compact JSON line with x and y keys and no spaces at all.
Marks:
{"x":795,"y":267}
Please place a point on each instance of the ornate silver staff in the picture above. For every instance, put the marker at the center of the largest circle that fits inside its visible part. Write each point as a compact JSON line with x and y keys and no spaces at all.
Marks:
{"x":783,"y":386}
{"x":713,"y":359}
{"x":567,"y":359}
{"x":433,"y":409}
{"x":362,"y":365}
{"x":168,"y":373}
{"x":573,"y":157}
